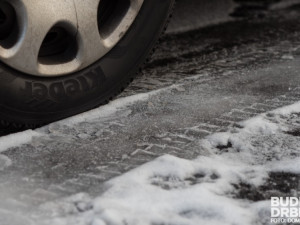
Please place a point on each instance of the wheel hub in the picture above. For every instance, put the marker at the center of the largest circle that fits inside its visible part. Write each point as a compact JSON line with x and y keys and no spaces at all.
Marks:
{"x":53,"y":38}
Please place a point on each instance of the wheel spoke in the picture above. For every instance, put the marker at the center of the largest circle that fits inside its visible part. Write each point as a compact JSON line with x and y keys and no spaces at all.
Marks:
{"x":91,"y":45}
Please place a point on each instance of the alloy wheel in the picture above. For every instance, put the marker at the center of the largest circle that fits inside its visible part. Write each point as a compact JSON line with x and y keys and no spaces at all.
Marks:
{"x":54,"y":38}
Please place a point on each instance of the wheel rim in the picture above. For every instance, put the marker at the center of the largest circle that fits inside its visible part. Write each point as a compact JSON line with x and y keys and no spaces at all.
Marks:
{"x":53,"y":38}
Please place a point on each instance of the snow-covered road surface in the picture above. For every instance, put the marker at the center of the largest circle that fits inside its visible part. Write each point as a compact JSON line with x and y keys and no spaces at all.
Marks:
{"x":197,"y":86}
{"x":231,"y":182}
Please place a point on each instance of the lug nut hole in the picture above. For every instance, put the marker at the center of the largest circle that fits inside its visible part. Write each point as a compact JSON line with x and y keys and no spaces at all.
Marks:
{"x":59,"y":46}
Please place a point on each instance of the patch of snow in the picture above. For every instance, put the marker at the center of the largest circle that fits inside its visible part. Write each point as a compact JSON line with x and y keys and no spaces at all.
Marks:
{"x":288,"y":166}
{"x":287,"y":110}
{"x":114,"y":107}
{"x":288,"y":57}
{"x":259,"y":125}
{"x":171,"y":190}
{"x":12,"y":218}
{"x":71,"y":205}
{"x":17,"y":139}
{"x":4,"y":162}
{"x":111,"y":108}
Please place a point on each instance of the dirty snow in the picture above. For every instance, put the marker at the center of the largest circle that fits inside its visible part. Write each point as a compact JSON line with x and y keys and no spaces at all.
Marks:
{"x":18,"y":139}
{"x":4,"y":162}
{"x":112,"y":107}
{"x":172,"y":190}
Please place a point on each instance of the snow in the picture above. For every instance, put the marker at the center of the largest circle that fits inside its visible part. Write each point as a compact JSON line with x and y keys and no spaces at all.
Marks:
{"x":172,"y":190}
{"x":287,"y":110}
{"x":18,"y":139}
{"x":289,"y":166}
{"x":109,"y":109}
{"x":4,"y":162}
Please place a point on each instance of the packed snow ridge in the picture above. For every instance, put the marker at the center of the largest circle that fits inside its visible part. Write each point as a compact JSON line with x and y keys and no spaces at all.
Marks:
{"x":222,"y":186}
{"x":21,"y":138}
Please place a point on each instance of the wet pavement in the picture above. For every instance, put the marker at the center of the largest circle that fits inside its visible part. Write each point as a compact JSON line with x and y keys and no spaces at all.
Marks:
{"x":200,"y":82}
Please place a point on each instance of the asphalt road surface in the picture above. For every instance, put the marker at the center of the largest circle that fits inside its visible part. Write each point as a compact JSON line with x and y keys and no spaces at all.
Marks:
{"x":210,"y":79}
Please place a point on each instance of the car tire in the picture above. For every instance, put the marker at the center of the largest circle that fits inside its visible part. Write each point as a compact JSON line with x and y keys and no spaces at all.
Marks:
{"x":28,"y":101}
